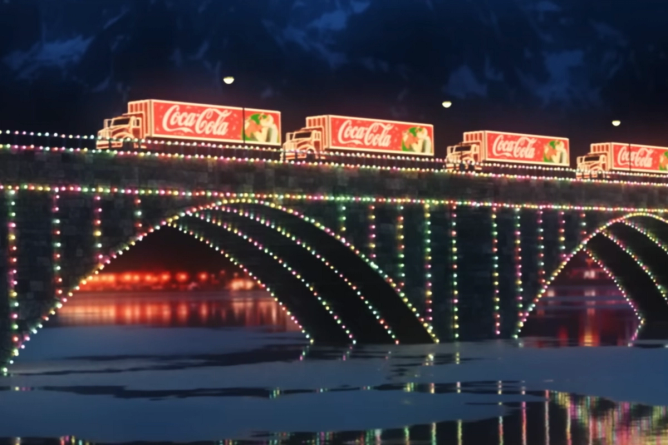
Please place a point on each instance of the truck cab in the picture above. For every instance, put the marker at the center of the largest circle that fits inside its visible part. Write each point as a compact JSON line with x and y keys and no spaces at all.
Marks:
{"x":306,"y":143}
{"x":464,"y":155}
{"x":593,"y":165}
{"x":126,"y":126}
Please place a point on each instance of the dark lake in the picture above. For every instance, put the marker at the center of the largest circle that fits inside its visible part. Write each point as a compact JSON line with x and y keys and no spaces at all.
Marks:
{"x":231,"y":367}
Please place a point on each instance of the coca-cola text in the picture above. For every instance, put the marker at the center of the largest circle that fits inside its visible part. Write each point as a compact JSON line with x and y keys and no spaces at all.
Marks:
{"x":376,"y":134}
{"x":209,"y":122}
{"x":521,"y":148}
{"x":640,"y":157}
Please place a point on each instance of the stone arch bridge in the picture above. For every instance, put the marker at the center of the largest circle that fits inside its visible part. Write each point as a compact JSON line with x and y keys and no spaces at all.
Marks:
{"x":355,"y":254}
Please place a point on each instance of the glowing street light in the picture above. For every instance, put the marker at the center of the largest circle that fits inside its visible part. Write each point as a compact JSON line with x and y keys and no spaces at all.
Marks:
{"x":617,"y":123}
{"x":228,"y":80}
{"x":446,"y":104}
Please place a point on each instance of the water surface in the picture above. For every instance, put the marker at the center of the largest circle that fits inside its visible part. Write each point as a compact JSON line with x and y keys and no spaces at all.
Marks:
{"x":231,"y":366}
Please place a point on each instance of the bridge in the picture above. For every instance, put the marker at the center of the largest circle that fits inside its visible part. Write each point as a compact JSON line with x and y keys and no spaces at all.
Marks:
{"x":354,"y":253}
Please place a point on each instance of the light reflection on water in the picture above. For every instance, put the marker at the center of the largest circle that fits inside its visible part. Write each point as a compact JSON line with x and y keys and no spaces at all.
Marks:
{"x":176,"y":309}
{"x":213,"y":367}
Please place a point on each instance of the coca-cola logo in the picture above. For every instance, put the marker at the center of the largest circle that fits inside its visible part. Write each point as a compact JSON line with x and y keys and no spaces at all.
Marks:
{"x":209,"y":121}
{"x":521,"y":148}
{"x":375,"y":135}
{"x":641,"y":157}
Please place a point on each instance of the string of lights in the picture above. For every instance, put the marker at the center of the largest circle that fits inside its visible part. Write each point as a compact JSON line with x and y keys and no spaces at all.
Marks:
{"x":427,"y":264}
{"x":184,"y":229}
{"x":453,"y":262}
{"x":335,"y":164}
{"x":342,"y":219}
{"x":629,"y":251}
{"x":12,"y":258}
{"x":496,"y":300}
{"x":283,"y":263}
{"x":401,"y":247}
{"x":55,"y":223}
{"x":541,"y":249}
{"x":518,"y":261}
{"x":372,"y":232}
{"x":580,"y":247}
{"x":273,"y":225}
{"x":619,"y":286}
{"x":349,"y":245}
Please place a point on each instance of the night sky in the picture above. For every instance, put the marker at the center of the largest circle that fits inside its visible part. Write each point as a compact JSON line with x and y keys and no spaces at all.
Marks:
{"x":555,"y":67}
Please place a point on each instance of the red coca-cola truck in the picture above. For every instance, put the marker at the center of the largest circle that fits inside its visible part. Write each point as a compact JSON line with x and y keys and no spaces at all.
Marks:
{"x":334,"y":133}
{"x":605,"y":158}
{"x":169,"y":120}
{"x":481,"y":147}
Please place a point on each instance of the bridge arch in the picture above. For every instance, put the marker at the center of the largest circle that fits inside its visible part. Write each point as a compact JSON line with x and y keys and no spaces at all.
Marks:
{"x":389,"y":306}
{"x":393,"y":312}
{"x":633,"y":250}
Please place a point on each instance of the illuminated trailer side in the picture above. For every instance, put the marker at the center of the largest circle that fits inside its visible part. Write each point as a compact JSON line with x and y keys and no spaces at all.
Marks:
{"x":481,"y":148}
{"x":329,"y":133}
{"x":607,"y":158}
{"x":181,"y":121}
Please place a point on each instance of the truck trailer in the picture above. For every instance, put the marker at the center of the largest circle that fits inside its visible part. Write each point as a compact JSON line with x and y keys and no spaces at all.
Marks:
{"x":606,"y":158}
{"x":168,"y":120}
{"x":339,"y":133}
{"x":483,"y":147}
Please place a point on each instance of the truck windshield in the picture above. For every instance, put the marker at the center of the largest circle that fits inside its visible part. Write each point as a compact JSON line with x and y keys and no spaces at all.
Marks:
{"x":120,"y":121}
{"x":302,"y":135}
{"x":592,"y":158}
{"x":463,"y":148}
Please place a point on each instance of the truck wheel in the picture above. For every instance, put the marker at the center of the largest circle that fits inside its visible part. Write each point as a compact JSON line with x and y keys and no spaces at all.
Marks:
{"x":128,"y":145}
{"x":310,"y":156}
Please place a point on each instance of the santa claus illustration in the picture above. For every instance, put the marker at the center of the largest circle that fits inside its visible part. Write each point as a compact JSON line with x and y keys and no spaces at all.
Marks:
{"x":416,"y":140}
{"x":663,"y":161}
{"x":555,"y":152}
{"x":261,"y":127}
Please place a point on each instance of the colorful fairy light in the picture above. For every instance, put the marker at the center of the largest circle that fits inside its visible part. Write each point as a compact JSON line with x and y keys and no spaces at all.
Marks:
{"x":453,"y":259}
{"x":277,"y":228}
{"x":518,"y":261}
{"x":496,"y":300}
{"x":214,"y":194}
{"x":648,"y":234}
{"x":619,"y":286}
{"x":97,"y":227}
{"x":237,"y":263}
{"x":264,"y":199}
{"x":148,"y":153}
{"x":401,"y":274}
{"x":427,"y":264}
{"x":372,"y":232}
{"x":138,"y":214}
{"x":630,"y":252}
{"x":541,"y":249}
{"x":562,"y":235}
{"x":12,"y":257}
{"x":342,"y":219}
{"x":133,"y":241}
{"x":55,"y":239}
{"x":311,"y":287}
{"x":349,"y":245}
{"x":581,"y":246}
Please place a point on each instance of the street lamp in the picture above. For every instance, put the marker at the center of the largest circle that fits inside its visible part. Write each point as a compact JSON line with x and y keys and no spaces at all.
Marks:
{"x":446,"y":104}
{"x":617,"y":123}
{"x":228,"y":80}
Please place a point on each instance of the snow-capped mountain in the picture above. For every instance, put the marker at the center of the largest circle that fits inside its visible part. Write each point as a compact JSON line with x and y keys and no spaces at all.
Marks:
{"x":555,"y":66}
